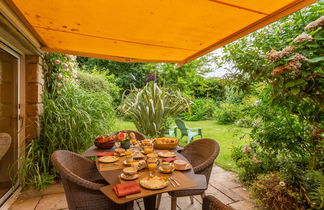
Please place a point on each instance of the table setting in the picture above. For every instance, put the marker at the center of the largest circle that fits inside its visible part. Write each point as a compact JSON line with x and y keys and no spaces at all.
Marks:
{"x":141,"y":169}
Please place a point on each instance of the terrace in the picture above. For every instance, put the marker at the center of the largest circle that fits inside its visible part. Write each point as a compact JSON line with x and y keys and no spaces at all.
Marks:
{"x":73,"y":71}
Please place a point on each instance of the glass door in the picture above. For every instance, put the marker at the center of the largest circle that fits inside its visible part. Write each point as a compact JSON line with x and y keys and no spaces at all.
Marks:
{"x":8,"y":121}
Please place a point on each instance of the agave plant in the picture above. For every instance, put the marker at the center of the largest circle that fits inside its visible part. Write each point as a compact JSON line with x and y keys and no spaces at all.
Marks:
{"x":151,"y":107}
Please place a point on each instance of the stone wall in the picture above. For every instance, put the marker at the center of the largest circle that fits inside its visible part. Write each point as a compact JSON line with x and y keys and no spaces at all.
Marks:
{"x":34,"y":90}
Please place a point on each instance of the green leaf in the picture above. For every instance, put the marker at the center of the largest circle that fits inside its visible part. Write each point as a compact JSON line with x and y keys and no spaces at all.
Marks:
{"x":290,"y":84}
{"x":316,"y":59}
{"x":295,"y":91}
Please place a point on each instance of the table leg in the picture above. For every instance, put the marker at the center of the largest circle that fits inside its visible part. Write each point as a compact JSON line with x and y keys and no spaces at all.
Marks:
{"x":150,"y":202}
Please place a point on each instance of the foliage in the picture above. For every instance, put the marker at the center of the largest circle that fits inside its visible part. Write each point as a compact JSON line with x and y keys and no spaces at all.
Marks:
{"x":210,"y":88}
{"x":73,"y":116}
{"x":200,"y":109}
{"x":151,"y":106}
{"x":99,"y":82}
{"x":227,"y":113}
{"x":188,"y":78}
{"x":128,"y":74}
{"x":273,"y":193}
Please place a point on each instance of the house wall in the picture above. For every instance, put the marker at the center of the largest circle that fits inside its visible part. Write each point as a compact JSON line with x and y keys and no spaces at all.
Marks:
{"x":14,"y":38}
{"x":34,"y":90}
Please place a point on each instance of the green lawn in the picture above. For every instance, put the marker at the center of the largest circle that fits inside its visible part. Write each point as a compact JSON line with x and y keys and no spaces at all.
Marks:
{"x":226,"y":135}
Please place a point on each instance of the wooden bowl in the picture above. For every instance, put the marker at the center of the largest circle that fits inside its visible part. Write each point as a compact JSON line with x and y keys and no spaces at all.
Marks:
{"x":105,"y":144}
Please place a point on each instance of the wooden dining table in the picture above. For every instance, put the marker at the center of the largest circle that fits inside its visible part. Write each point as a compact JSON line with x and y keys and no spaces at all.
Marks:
{"x":111,"y":173}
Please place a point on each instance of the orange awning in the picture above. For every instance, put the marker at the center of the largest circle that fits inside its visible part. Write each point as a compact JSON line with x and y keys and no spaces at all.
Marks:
{"x":175,"y":31}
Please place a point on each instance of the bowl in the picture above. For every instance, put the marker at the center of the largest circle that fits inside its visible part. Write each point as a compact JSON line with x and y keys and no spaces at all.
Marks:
{"x":166,"y":143}
{"x":130,"y":170}
{"x":104,"y":142}
{"x":180,"y":164}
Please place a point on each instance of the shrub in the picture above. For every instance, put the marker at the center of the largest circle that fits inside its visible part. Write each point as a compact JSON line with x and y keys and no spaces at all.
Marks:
{"x":227,"y":113}
{"x":99,"y":82}
{"x":200,"y":109}
{"x":73,"y":116}
{"x":273,"y":193}
{"x":151,"y":107}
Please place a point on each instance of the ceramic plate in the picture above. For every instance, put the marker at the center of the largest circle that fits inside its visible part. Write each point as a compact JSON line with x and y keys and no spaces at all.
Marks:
{"x":166,"y":154}
{"x":108,"y":159}
{"x":154,"y":183}
{"x":188,"y":166}
{"x":129,"y":177}
{"x":129,"y":164}
{"x":166,"y":171}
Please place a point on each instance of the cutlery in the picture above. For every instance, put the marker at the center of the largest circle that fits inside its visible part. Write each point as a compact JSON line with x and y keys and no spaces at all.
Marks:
{"x":171,"y":182}
{"x":175,"y":181}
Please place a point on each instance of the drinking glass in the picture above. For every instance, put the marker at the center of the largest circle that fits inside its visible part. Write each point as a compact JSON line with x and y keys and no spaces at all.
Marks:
{"x":152,"y":164}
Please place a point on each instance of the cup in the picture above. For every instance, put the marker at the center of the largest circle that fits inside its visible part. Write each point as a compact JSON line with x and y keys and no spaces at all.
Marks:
{"x":129,"y":158}
{"x":166,"y":166}
{"x":148,"y":149}
{"x":130,"y":171}
{"x":180,"y":164}
{"x":152,"y":164}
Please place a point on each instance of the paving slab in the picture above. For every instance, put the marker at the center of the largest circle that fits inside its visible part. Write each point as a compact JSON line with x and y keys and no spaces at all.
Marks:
{"x":240,"y":205}
{"x":52,"y":202}
{"x":241,"y":191}
{"x":217,"y":170}
{"x":184,"y":203}
{"x":25,"y":204}
{"x":228,"y":192}
{"x":219,"y":195}
{"x":51,"y":189}
{"x":228,"y":180}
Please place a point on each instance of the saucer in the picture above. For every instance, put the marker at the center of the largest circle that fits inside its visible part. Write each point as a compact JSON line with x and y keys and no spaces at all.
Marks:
{"x":129,"y":177}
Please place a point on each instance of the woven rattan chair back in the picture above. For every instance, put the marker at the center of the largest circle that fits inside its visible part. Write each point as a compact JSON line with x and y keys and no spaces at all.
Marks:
{"x":82,"y":182}
{"x":202,"y":153}
{"x":212,"y":203}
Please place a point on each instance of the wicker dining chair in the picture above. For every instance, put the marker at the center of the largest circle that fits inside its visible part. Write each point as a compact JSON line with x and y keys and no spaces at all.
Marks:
{"x":82,"y":183}
{"x":139,"y":136}
{"x":212,"y":203}
{"x":201,"y":155}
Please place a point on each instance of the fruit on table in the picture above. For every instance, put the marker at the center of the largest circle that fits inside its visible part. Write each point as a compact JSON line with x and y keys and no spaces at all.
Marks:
{"x":164,"y":140}
{"x":121,"y":136}
{"x":102,"y":139}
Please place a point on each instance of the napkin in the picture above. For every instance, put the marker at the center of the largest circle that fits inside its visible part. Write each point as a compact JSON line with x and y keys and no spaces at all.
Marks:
{"x":127,"y":188}
{"x":102,"y":154}
{"x":171,"y":159}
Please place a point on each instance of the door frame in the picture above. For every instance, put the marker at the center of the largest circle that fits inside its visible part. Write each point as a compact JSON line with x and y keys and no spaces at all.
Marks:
{"x":17,"y":55}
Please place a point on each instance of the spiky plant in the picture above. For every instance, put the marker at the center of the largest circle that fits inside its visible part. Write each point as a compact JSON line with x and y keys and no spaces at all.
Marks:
{"x":151,"y":107}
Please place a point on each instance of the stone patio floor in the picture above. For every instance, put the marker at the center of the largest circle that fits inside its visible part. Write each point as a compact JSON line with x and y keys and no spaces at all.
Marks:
{"x":223,"y":185}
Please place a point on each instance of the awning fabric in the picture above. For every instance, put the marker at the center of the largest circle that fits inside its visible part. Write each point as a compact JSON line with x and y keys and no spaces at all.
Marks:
{"x":175,"y":31}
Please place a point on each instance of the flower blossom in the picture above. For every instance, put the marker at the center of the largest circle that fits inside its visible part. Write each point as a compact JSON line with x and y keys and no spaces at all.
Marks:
{"x":59,"y":76}
{"x":255,"y":160}
{"x":57,"y":61}
{"x":300,"y":57}
{"x":289,"y":49}
{"x":246,"y":149}
{"x":282,"y":184}
{"x":302,"y":38}
{"x":274,"y":55}
{"x":315,"y":24}
{"x":292,"y":65}
{"x":65,"y":66}
{"x":59,"y":85}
